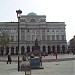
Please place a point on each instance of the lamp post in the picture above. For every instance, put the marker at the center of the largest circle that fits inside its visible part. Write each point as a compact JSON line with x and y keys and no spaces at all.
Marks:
{"x":18,"y":16}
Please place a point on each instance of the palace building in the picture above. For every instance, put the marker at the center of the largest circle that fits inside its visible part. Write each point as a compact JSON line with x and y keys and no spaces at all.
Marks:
{"x":51,"y":36}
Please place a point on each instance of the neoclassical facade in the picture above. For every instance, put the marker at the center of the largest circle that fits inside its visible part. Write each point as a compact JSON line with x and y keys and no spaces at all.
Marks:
{"x":51,"y":36}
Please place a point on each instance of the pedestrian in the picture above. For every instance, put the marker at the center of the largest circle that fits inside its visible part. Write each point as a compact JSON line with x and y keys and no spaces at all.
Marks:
{"x":24,"y":57}
{"x":40,"y":57}
{"x":44,"y":54}
{"x":9,"y":59}
{"x":27,"y":56}
{"x":32,"y":56}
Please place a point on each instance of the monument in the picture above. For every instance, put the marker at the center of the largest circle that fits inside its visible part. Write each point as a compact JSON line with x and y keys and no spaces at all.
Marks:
{"x":36,"y":50}
{"x":36,"y":47}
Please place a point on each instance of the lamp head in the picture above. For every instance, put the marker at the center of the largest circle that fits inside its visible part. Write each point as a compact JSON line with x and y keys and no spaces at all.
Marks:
{"x":18,"y":13}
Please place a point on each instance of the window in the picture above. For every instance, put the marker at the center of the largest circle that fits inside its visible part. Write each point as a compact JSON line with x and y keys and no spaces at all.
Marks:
{"x":33,"y":37}
{"x":12,"y":38}
{"x":62,"y":30}
{"x":27,"y":30}
{"x":32,"y":20}
{"x":62,"y":36}
{"x":37,"y":31}
{"x":43,"y":30}
{"x":52,"y":30}
{"x":57,"y":30}
{"x":22,"y":34}
{"x":22,"y":37}
{"x":57,"y":37}
{"x":47,"y":30}
{"x":53,"y":37}
{"x":22,"y":30}
{"x":37,"y":37}
{"x":33,"y":31}
{"x":48,"y":37}
{"x":43,"y":37}
{"x":28,"y":37}
{"x":42,"y":20}
{"x":16,"y":38}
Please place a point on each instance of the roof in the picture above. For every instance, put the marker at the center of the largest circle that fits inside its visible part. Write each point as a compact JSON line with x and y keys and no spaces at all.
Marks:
{"x":32,"y":14}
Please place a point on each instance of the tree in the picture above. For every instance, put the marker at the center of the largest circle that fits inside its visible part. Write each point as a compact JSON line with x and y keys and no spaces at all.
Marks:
{"x":4,"y":39}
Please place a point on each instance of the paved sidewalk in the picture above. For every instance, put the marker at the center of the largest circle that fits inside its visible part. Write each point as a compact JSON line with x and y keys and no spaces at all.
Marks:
{"x":46,"y":58}
{"x":50,"y":68}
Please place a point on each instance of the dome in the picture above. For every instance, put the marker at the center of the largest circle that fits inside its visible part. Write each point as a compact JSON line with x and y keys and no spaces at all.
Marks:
{"x":32,"y":14}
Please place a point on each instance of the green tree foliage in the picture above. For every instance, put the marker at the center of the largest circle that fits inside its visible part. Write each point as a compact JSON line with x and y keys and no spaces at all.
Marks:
{"x":4,"y":39}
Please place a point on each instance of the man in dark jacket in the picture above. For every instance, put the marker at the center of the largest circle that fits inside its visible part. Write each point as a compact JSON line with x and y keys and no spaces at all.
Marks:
{"x":9,"y":59}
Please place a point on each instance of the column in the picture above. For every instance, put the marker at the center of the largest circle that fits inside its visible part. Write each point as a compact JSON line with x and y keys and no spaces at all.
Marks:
{"x":26,"y":48}
{"x":9,"y":50}
{"x":15,"y":50}
{"x":46,"y":49}
{"x":30,"y":48}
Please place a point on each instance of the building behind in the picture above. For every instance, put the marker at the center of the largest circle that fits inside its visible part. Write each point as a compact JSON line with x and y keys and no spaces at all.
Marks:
{"x":71,"y":47}
{"x":51,"y":36}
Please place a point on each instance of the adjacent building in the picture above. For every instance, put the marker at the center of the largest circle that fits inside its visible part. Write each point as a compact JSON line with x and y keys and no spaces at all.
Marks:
{"x":51,"y":36}
{"x":72,"y":45}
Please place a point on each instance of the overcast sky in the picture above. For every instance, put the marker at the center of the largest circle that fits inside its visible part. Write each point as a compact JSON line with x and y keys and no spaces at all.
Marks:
{"x":55,"y":11}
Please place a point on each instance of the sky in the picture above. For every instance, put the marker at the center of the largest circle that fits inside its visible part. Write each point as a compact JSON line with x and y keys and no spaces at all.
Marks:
{"x":55,"y":11}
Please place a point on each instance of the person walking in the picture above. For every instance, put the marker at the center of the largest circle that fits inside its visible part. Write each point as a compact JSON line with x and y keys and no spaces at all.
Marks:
{"x":9,"y":59}
{"x":32,"y":56}
{"x":24,"y":57}
{"x":40,"y":57}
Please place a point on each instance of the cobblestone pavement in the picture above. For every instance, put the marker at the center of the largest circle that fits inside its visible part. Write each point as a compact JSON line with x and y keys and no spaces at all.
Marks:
{"x":50,"y":68}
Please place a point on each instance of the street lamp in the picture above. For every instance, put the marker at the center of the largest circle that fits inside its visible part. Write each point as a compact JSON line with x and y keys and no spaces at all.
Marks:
{"x":18,"y":16}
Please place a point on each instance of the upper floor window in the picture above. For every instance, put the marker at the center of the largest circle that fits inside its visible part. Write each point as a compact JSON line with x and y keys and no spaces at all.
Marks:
{"x":33,"y":37}
{"x":53,"y":37}
{"x":43,"y":30}
{"x":28,"y":37}
{"x":33,"y":31}
{"x":27,"y":30}
{"x":52,"y":30}
{"x":48,"y":37}
{"x":22,"y":37}
{"x":57,"y":30}
{"x":12,"y":38}
{"x":47,"y":30}
{"x":22,"y":30}
{"x":62,"y":36}
{"x":62,"y":30}
{"x":42,"y":20}
{"x":43,"y":37}
{"x":57,"y":36}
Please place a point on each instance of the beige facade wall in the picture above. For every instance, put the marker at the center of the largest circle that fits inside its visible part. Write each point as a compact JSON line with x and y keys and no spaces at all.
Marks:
{"x":32,"y":28}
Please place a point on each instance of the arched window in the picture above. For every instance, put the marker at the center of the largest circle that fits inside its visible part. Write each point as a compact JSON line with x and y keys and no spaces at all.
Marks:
{"x":22,"y":50}
{"x":28,"y":49}
{"x":12,"y":50}
{"x":17,"y":50}
{"x":53,"y":49}
{"x":63,"y":48}
{"x":32,"y":20}
{"x":44,"y":49}
{"x":49,"y":50}
{"x":7,"y":50}
{"x":58,"y":49}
